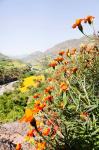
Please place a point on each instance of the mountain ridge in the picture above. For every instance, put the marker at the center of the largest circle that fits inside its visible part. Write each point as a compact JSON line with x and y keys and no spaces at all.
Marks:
{"x":38,"y":56}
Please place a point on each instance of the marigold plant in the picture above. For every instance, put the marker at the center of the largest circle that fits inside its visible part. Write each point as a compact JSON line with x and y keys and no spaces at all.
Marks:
{"x":66,"y":114}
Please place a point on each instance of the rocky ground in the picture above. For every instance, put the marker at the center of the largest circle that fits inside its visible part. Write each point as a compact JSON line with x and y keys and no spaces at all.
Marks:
{"x":7,"y":87}
{"x":11,"y":134}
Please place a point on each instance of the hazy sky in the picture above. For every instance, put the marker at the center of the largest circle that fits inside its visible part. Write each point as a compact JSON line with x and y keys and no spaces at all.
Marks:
{"x":30,"y":25}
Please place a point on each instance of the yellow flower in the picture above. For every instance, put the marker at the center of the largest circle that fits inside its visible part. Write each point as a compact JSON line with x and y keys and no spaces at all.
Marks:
{"x":31,"y":81}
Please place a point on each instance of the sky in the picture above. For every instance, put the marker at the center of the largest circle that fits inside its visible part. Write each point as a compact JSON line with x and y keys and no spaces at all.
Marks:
{"x":27,"y":26}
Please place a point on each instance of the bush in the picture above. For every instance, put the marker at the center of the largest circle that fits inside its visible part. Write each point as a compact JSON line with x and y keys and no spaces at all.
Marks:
{"x":65,"y":115}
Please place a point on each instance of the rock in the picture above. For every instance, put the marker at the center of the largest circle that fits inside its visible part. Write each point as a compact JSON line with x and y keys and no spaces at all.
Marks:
{"x":11,"y":134}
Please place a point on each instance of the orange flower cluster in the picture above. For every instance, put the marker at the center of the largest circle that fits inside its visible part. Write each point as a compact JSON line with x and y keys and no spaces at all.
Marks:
{"x":59,"y":59}
{"x":32,"y":133}
{"x":89,"y":19}
{"x":49,"y":89}
{"x":49,"y":121}
{"x":64,"y":86}
{"x":29,"y":113}
{"x":61,"y":53}
{"x":46,"y":131}
{"x":48,"y":98}
{"x":74,"y":70}
{"x":40,"y":145}
{"x":53,"y":64}
{"x":38,"y":106}
{"x":78,"y":22}
{"x":37,"y":95}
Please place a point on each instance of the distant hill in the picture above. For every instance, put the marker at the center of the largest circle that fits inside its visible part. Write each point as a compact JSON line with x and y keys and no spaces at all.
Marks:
{"x":34,"y":57}
{"x":11,"y":69}
{"x":74,"y":43}
{"x":37,"y":57}
{"x":2,"y":56}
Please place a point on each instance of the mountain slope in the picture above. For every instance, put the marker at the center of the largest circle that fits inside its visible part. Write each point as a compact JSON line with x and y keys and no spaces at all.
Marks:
{"x":10,"y":69}
{"x":74,"y":43}
{"x":2,"y":56}
{"x":37,"y":57}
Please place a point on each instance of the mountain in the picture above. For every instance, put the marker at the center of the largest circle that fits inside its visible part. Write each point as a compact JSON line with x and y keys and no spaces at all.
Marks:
{"x":11,"y":69}
{"x":74,"y":43}
{"x":37,"y":57}
{"x":2,"y":56}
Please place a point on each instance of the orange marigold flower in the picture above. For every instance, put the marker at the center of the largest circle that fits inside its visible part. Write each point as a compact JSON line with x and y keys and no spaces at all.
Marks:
{"x":37,"y":95}
{"x":74,"y":70}
{"x":38,"y":106}
{"x":64,"y":86}
{"x":89,"y":19}
{"x":46,"y":132}
{"x":50,"y":79}
{"x":61,"y":53}
{"x":53,"y":64}
{"x":18,"y":146}
{"x":59,"y":59}
{"x":41,"y":146}
{"x":84,"y":116}
{"x":28,"y":116}
{"x":78,"y":24}
{"x":49,"y":89}
{"x":31,"y":133}
{"x":37,"y":103}
{"x":41,"y":106}
{"x":48,"y":98}
{"x":36,"y":109}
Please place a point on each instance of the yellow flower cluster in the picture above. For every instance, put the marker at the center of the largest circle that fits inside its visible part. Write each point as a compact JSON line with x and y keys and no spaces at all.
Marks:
{"x":31,"y":81}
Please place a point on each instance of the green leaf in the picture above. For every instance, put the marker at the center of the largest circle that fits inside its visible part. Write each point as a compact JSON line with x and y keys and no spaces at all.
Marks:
{"x":72,"y":107}
{"x":64,"y":99}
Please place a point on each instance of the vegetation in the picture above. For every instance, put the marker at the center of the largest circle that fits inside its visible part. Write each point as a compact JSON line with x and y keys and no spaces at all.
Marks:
{"x":31,"y":81}
{"x":11,"y":70}
{"x":12,"y":104}
{"x":62,"y":105}
{"x":65,"y":113}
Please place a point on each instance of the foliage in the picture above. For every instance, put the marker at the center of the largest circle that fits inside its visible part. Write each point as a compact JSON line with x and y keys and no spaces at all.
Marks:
{"x":11,"y":70}
{"x":65,"y":115}
{"x":12,"y":104}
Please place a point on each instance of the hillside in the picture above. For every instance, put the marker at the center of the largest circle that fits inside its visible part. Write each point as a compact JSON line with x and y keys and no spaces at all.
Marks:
{"x":34,"y":58}
{"x":11,"y":69}
{"x":2,"y":56}
{"x":37,"y":57}
{"x":73,"y":43}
